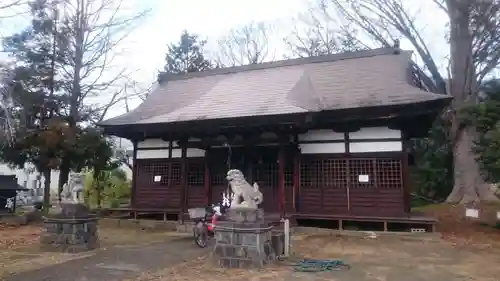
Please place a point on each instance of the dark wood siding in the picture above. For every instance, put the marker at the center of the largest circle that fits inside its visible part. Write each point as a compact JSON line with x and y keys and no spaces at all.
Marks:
{"x":196,"y":182}
{"x":218,"y":171}
{"x":330,"y":186}
{"x":323,"y":185}
{"x":166,"y":193}
{"x":267,"y":177}
{"x":289,"y":188}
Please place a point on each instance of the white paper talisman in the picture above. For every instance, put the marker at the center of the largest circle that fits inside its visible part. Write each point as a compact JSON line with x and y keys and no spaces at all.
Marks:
{"x":364,"y":178}
{"x":472,"y":213}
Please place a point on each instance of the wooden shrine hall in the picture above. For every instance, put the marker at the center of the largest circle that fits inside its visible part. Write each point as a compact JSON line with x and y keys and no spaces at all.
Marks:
{"x":324,"y":137}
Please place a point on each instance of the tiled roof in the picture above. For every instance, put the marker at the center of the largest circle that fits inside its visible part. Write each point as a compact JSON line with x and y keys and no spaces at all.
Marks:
{"x":377,"y":77}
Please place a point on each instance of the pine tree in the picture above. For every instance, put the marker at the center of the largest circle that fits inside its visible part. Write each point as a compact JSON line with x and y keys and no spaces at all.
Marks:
{"x":186,"y":55}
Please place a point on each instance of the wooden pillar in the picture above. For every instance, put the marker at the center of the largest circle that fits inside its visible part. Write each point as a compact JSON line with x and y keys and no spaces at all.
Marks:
{"x":206,"y":178}
{"x":134,"y":175}
{"x":405,"y":190}
{"x":281,"y":174}
{"x":184,"y":183}
{"x":296,"y":178}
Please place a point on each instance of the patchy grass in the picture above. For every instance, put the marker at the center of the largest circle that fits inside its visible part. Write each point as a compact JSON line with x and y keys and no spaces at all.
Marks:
{"x":20,"y":251}
{"x":370,"y":259}
{"x":459,"y":230}
{"x":469,"y":251}
{"x":204,"y":269}
{"x":18,"y":236}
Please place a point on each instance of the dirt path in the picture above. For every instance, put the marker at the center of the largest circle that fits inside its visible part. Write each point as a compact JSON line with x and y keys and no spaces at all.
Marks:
{"x":117,"y":263}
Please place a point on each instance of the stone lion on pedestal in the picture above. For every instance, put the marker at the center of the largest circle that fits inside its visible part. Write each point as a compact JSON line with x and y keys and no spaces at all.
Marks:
{"x":73,"y":190}
{"x":244,"y":194}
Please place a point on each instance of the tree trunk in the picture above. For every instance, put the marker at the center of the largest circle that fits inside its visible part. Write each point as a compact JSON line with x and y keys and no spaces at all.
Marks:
{"x":46,"y":191}
{"x":469,"y":185}
{"x":98,"y":193}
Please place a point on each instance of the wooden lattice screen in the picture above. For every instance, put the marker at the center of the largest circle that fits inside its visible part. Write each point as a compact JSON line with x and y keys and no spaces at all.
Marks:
{"x":266,"y":174}
{"x":196,"y":172}
{"x":341,"y":173}
{"x":359,"y":167}
{"x":170,"y":172}
{"x":389,"y":174}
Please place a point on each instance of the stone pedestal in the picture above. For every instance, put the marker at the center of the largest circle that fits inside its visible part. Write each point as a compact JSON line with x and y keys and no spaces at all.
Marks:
{"x":74,"y":229}
{"x":243,"y":240}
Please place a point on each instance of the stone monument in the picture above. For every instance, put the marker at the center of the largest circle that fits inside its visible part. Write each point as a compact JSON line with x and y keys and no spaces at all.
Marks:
{"x":74,"y":228}
{"x":243,"y":238}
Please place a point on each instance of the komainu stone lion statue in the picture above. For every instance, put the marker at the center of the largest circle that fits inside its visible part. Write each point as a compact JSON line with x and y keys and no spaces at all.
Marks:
{"x":72,"y":191}
{"x":244,"y":194}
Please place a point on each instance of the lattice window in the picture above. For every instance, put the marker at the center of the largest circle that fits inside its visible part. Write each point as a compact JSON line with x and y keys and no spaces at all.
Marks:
{"x":389,"y":173}
{"x":335,"y":173}
{"x":196,"y":173}
{"x":218,"y":175}
{"x":310,"y":171}
{"x":161,"y":169}
{"x":362,"y":167}
{"x":175,"y":173}
{"x":267,"y":174}
{"x":147,"y":170}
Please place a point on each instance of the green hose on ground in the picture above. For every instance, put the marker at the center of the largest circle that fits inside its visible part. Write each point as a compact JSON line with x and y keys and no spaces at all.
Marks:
{"x":309,"y":265}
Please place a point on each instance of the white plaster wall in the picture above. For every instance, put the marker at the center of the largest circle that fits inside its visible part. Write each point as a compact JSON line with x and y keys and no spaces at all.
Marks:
{"x":355,"y":147}
{"x":375,"y":146}
{"x":317,"y":148}
{"x":320,"y":135}
{"x":152,"y":154}
{"x":163,"y":153}
{"x":375,"y":133}
{"x":153,"y":143}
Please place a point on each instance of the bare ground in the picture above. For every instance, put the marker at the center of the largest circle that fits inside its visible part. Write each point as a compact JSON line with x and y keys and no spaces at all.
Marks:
{"x":469,"y":250}
{"x":19,"y":248}
{"x":380,"y":259}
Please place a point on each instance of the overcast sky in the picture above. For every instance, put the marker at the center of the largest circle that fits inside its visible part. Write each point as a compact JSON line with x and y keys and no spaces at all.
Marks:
{"x":144,"y":50}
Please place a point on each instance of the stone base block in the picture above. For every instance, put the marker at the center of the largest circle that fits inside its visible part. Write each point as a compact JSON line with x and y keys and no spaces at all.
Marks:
{"x":70,"y":236}
{"x":242,"y":215}
{"x":243,"y":244}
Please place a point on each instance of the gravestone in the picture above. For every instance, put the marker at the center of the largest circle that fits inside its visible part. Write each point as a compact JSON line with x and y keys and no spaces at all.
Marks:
{"x":243,"y":238}
{"x":74,"y":228}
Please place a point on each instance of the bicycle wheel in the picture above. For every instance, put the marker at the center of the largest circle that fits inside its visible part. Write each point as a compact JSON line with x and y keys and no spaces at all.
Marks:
{"x":201,"y":235}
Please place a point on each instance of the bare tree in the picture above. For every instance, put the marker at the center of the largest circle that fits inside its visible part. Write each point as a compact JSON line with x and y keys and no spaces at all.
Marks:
{"x":8,"y":8}
{"x":89,"y":35}
{"x":6,"y":119}
{"x":91,"y":32}
{"x":474,"y":53}
{"x":315,"y":33}
{"x":244,"y":45}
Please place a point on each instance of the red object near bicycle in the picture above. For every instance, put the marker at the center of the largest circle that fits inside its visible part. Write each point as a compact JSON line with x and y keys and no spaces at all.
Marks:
{"x":203,"y":230}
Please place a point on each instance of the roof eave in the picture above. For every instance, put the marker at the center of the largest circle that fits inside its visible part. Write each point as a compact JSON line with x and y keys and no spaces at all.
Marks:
{"x":139,"y":131}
